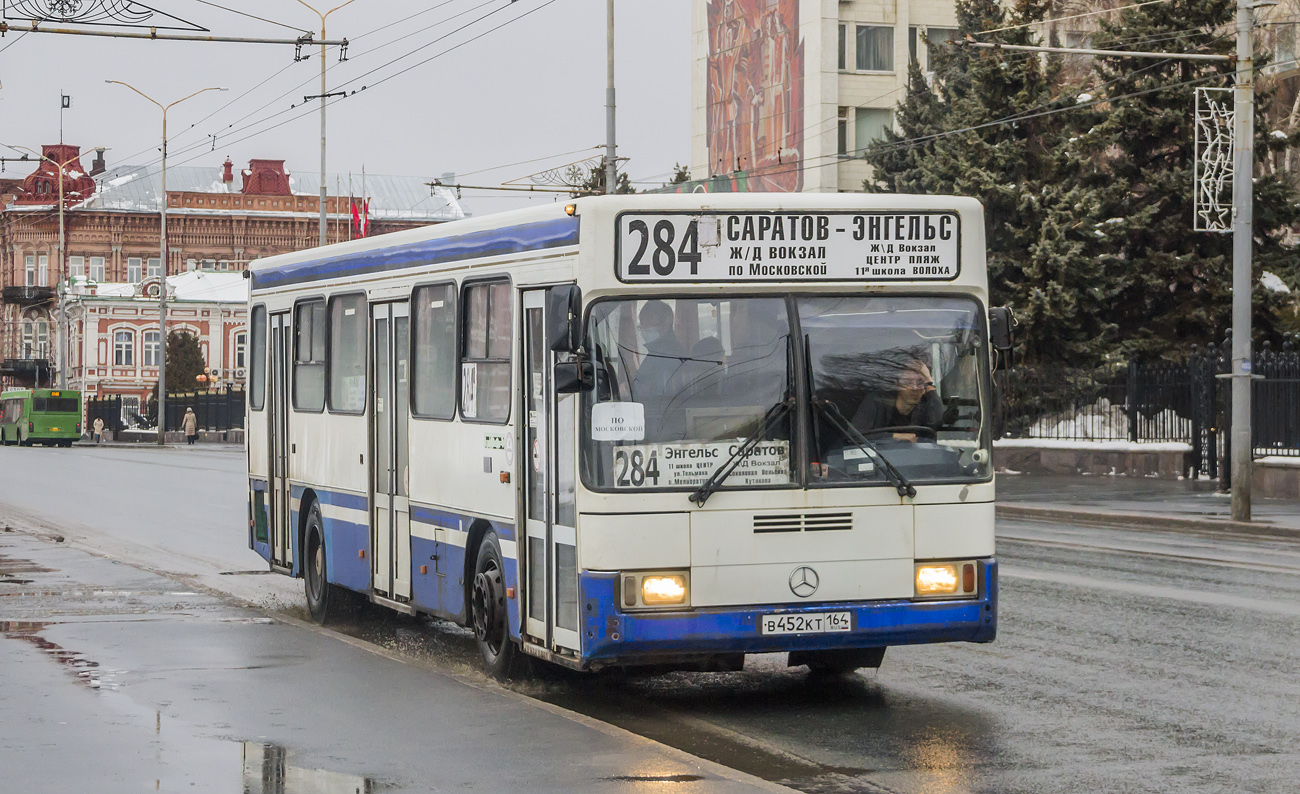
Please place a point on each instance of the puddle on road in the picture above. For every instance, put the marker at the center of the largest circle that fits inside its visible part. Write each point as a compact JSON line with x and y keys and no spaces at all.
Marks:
{"x":267,"y":770}
{"x":11,"y":567}
{"x":85,"y":672}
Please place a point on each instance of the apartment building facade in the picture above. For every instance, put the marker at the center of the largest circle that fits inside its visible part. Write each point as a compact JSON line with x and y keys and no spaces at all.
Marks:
{"x":787,"y":93}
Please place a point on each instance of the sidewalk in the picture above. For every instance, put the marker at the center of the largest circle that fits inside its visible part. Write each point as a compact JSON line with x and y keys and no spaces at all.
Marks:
{"x":1140,"y":501}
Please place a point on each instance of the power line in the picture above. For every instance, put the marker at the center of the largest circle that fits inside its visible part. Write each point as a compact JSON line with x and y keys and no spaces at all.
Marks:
{"x":250,"y":16}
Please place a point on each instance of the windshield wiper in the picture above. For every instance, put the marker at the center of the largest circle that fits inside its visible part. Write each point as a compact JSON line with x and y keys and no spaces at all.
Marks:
{"x":774,"y":414}
{"x":832,"y":413}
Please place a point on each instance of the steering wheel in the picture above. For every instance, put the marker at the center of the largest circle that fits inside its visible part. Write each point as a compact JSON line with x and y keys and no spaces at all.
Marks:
{"x":920,"y":430}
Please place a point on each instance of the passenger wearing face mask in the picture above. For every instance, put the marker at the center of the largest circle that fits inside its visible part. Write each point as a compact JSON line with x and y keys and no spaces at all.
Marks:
{"x":658,"y":380}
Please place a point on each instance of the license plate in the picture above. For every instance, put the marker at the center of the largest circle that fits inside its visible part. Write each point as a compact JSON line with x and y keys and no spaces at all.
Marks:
{"x":816,"y":623}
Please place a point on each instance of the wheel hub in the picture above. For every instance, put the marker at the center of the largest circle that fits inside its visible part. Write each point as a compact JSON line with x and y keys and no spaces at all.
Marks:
{"x":489,"y":606}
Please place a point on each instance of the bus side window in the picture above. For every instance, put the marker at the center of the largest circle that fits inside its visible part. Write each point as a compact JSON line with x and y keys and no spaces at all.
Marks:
{"x":309,"y":356}
{"x":347,"y":353}
{"x":485,"y":352}
{"x":257,"y":373}
{"x":434,"y":351}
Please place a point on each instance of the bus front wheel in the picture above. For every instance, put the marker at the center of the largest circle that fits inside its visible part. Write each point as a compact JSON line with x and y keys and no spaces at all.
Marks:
{"x":322,"y":597}
{"x":489,"y":609}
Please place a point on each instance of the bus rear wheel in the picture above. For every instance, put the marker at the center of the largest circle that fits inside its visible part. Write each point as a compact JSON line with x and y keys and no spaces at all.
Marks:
{"x":323,"y":598}
{"x":488,"y":605}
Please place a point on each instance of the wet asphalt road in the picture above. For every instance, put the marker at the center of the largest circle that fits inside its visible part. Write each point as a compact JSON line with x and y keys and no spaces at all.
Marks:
{"x":1127,"y":660}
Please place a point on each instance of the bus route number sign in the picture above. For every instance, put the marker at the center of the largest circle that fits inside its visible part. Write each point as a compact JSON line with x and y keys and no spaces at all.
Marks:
{"x":788,"y":246}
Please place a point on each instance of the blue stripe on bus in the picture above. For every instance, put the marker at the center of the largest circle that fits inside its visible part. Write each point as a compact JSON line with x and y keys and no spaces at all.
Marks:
{"x":735,"y":629}
{"x":474,"y":245}
{"x":449,"y":519}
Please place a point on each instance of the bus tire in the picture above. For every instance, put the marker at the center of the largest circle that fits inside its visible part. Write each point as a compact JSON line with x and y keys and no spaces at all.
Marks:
{"x":488,"y":609}
{"x":323,"y":598}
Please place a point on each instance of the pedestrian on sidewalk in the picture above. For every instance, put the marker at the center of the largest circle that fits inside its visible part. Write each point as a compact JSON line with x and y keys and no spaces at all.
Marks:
{"x":191,"y":426}
{"x":98,"y":426}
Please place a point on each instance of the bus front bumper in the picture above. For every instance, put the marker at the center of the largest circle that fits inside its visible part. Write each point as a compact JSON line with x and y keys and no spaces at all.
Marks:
{"x":612,"y":637}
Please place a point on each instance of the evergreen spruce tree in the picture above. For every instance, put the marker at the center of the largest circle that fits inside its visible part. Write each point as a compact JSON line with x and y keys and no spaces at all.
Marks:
{"x":981,"y":130}
{"x":1170,"y":286}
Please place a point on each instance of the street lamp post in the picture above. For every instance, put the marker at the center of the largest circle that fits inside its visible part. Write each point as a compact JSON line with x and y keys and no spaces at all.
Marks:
{"x":162,"y":264}
{"x":63,"y":260}
{"x":322,"y":110}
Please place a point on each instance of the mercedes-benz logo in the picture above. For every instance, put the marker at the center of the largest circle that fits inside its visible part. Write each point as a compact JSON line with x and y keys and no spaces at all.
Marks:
{"x":803,"y":581}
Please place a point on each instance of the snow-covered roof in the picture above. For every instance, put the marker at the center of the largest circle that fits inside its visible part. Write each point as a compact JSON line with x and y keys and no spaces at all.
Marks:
{"x":136,"y":188}
{"x":193,"y":285}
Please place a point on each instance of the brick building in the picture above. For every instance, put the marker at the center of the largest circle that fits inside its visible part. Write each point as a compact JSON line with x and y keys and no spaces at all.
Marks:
{"x":111,"y":220}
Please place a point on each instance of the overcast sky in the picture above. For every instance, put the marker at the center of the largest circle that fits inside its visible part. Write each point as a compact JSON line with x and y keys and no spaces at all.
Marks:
{"x":535,"y":88}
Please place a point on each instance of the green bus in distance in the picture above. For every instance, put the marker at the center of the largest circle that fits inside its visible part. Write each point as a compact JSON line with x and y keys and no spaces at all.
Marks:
{"x":47,"y":416}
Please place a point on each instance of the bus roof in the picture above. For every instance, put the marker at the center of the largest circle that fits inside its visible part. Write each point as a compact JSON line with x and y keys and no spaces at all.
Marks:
{"x":556,"y":226}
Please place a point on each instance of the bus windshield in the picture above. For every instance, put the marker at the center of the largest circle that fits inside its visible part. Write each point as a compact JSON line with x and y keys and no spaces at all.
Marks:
{"x":682,"y":382}
{"x":679,"y":383}
{"x":899,"y":378}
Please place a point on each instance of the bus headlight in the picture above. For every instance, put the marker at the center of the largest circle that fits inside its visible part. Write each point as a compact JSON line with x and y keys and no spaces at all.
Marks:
{"x":945,"y":579}
{"x":657,"y":589}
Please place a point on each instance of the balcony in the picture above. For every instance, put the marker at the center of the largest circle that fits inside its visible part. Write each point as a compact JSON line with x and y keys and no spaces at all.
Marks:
{"x":32,"y":372}
{"x":28,"y":296}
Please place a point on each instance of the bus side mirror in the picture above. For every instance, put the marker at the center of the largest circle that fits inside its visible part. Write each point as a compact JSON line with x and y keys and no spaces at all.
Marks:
{"x":564,"y":318}
{"x":572,"y":377}
{"x":1001,"y":339}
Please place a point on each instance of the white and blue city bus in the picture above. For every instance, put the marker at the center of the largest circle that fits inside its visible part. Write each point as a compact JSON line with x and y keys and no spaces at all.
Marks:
{"x":661,"y":431}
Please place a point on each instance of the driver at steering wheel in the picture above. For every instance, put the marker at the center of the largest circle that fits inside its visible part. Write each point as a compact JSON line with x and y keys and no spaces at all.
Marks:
{"x":913,"y":402}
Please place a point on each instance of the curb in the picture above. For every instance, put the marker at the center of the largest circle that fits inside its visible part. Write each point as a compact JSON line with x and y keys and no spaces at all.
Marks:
{"x":1107,"y":518}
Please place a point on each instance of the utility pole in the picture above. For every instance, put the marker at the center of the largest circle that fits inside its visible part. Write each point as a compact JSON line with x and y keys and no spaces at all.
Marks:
{"x":1240,"y":444}
{"x":162,"y":264}
{"x":611,"y":165}
{"x":323,"y":99}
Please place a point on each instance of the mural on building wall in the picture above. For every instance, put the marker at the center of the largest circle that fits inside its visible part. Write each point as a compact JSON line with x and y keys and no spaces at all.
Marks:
{"x":755,"y":92}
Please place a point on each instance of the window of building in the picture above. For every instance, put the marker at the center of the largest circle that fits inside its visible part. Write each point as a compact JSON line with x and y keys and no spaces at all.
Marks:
{"x":870,"y":125}
{"x":43,"y":270}
{"x":347,"y":353}
{"x":36,"y":339}
{"x":97,"y":268}
{"x":875,"y":48}
{"x":208,"y":264}
{"x":434,"y":350}
{"x":485,"y":352}
{"x":912,"y":36}
{"x":76,"y":266}
{"x":257,"y":373}
{"x":843,"y":49}
{"x":1286,"y":46}
{"x":150,"y":348}
{"x":843,"y":131}
{"x":935,"y":40}
{"x":241,"y":350}
{"x":30,"y":273}
{"x":123,"y":349}
{"x":309,"y":356}
{"x":133,"y":269}
{"x":155,"y":267}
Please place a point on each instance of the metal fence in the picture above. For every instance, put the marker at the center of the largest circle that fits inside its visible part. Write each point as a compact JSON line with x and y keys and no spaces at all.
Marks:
{"x":215,"y":410}
{"x":1184,"y":402}
{"x":107,"y":408}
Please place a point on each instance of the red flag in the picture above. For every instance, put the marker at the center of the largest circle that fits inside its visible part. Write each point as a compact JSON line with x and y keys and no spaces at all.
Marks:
{"x":365,"y":222}
{"x":357,"y":229}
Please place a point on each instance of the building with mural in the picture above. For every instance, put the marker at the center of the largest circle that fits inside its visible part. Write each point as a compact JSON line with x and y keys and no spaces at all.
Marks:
{"x":786,"y":93}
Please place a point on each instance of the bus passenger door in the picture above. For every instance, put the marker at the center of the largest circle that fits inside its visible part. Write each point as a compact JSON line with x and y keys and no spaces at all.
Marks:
{"x":391,"y":520}
{"x":549,"y":516}
{"x":278,"y":416}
